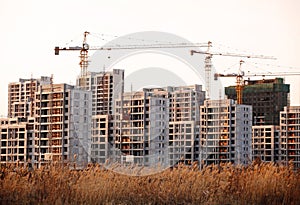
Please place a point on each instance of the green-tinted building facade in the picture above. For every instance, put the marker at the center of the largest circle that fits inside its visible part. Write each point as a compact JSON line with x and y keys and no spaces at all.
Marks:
{"x":267,"y":97}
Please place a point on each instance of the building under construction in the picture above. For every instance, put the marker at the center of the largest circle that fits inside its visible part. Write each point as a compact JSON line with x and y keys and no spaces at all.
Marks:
{"x":184,"y":123}
{"x":225,"y":132}
{"x":267,"y":97}
{"x":265,"y":142}
{"x":48,"y":122}
{"x":105,"y":87}
{"x":290,"y":135}
{"x":141,"y":134}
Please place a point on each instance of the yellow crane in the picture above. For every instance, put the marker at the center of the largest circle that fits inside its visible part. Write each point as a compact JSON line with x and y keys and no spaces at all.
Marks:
{"x":240,"y":81}
{"x":208,"y":55}
{"x":208,"y":64}
{"x":85,"y":48}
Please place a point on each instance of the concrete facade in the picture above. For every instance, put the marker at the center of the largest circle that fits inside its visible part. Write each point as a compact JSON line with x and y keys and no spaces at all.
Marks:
{"x":290,"y":135}
{"x":225,"y":132}
{"x":184,"y":123}
{"x":267,"y":97}
{"x":265,"y":142}
{"x":21,"y":96}
{"x":58,"y":130}
{"x":105,"y":87}
{"x":141,"y":126}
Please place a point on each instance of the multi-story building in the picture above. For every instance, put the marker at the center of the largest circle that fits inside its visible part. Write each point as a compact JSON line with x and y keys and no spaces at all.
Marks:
{"x":59,"y":129}
{"x":290,"y":135}
{"x":225,"y":132}
{"x":14,"y":140}
{"x":267,"y":97}
{"x":101,"y":141}
{"x":184,"y":123}
{"x":21,"y":96}
{"x":106,"y":87}
{"x":141,"y":128}
{"x":265,"y":142}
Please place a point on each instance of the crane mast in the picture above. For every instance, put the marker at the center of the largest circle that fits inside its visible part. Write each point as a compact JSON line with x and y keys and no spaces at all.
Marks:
{"x":239,"y":84}
{"x":208,"y":64}
{"x":85,"y":48}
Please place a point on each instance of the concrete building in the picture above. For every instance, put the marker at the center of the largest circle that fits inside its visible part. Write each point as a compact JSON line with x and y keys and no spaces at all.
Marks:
{"x":14,"y":134}
{"x":163,"y":123}
{"x":290,"y":135}
{"x":21,"y":96}
{"x":265,"y":142}
{"x":184,"y":123}
{"x":141,"y":129}
{"x":101,"y":140}
{"x":59,"y":129}
{"x":267,"y":97}
{"x":106,"y":87}
{"x":225,"y":132}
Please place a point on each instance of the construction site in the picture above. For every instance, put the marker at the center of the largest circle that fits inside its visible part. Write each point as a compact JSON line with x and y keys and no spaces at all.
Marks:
{"x":96,"y":121}
{"x":267,"y":96}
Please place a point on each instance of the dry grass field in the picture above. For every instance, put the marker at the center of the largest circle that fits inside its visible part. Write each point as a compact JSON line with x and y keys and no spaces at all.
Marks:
{"x":224,"y":184}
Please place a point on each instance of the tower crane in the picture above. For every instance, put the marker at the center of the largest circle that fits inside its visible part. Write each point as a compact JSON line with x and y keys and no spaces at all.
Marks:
{"x":208,"y":55}
{"x":85,"y":48}
{"x":240,"y":75}
{"x":208,"y":63}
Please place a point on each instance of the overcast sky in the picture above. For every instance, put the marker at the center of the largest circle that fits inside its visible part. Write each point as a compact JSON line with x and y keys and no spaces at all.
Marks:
{"x":31,"y":29}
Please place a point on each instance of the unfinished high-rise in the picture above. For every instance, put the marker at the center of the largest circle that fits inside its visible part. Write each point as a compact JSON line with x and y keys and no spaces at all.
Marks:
{"x":141,"y":129}
{"x":289,"y":150}
{"x":105,"y":87}
{"x":225,"y":132}
{"x":267,"y":97}
{"x":21,"y":96}
{"x":265,"y":142}
{"x":52,"y":123}
{"x":184,"y":123}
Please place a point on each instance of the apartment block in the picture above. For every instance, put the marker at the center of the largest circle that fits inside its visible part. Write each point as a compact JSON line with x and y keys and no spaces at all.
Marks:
{"x":290,"y":135}
{"x":184,"y":123}
{"x":267,"y":97}
{"x":100,"y":146}
{"x":106,"y":87}
{"x":225,"y":132}
{"x":59,"y":129}
{"x":14,"y":133}
{"x":265,"y":142}
{"x":63,"y":119}
{"x":21,"y":96}
{"x":141,"y":133}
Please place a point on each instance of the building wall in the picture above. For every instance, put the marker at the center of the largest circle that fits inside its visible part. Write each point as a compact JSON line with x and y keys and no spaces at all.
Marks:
{"x":267,"y":97}
{"x":184,"y":123}
{"x":290,"y":135}
{"x":265,"y":142}
{"x":21,"y":96}
{"x":142,"y":127}
{"x":59,"y":128}
{"x":14,"y":136}
{"x":225,"y":132}
{"x":80,"y":123}
{"x":106,"y":87}
{"x":100,"y":141}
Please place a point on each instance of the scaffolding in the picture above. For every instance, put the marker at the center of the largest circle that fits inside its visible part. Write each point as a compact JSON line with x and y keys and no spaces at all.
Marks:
{"x":267,"y":97}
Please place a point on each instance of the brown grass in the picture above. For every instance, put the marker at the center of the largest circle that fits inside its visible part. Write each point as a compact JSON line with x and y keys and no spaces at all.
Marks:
{"x":223,"y":184}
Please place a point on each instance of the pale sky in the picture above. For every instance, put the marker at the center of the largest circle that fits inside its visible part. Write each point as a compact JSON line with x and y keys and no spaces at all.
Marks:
{"x":31,"y":29}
